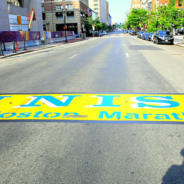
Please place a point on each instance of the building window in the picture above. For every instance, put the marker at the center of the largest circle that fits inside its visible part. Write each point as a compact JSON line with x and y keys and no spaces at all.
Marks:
{"x":59,"y":18}
{"x":180,"y":3}
{"x":42,"y":8}
{"x":95,"y":8}
{"x":95,"y":0}
{"x":59,"y":7}
{"x":15,"y":2}
{"x":69,"y":6}
{"x":70,"y":17}
{"x":95,"y":4}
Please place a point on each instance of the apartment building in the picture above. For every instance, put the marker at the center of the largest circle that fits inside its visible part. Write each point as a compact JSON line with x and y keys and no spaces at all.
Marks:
{"x":146,"y":4}
{"x":102,"y":9}
{"x":53,"y":17}
{"x":135,"y":4}
{"x":179,"y":4}
{"x":13,"y":15}
{"x":96,"y":6}
{"x":107,"y":12}
{"x":155,"y":4}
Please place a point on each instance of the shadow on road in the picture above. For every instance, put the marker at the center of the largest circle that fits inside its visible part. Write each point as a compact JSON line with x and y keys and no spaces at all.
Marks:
{"x":175,"y":174}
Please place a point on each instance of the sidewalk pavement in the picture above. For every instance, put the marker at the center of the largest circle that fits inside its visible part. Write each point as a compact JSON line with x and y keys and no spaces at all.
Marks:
{"x":39,"y":47}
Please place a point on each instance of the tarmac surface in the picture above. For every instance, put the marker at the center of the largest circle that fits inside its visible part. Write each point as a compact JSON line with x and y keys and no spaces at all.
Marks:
{"x":86,"y":153}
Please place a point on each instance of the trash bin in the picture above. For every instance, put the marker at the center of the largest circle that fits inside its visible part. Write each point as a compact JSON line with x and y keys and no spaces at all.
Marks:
{"x":84,"y":36}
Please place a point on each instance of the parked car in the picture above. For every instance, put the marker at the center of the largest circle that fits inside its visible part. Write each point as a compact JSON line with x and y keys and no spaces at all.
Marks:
{"x":125,"y":31}
{"x":145,"y":35}
{"x":163,"y":37}
{"x":104,"y":32}
{"x":98,"y":33}
{"x":139,"y":35}
{"x":133,"y":33}
{"x":180,"y":31}
{"x":149,"y":36}
{"x":153,"y":36}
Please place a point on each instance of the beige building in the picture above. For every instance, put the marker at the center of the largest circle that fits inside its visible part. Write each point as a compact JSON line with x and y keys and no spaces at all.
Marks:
{"x":53,"y":17}
{"x":96,"y":6}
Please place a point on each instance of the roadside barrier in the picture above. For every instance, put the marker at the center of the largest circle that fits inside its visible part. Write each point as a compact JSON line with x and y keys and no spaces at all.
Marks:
{"x":24,"y":39}
{"x":1,"y":50}
{"x":14,"y":50}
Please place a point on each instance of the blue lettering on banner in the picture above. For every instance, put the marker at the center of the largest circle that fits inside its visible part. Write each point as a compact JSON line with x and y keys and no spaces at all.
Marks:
{"x":49,"y":101}
{"x":24,"y":115}
{"x":117,"y":114}
{"x":10,"y":116}
{"x":1,"y":97}
{"x":105,"y":101}
{"x":132,"y":116}
{"x":159,"y":102}
{"x":56,"y":114}
{"x":162,"y":116}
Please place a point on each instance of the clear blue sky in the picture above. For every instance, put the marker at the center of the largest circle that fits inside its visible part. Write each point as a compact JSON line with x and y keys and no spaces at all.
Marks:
{"x":118,"y":8}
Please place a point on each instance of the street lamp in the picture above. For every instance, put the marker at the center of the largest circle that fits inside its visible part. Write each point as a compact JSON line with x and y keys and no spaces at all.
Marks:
{"x":83,"y":20}
{"x":47,"y":23}
{"x":64,"y":15}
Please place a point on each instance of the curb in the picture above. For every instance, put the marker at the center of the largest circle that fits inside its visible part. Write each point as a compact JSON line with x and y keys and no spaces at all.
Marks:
{"x":24,"y":52}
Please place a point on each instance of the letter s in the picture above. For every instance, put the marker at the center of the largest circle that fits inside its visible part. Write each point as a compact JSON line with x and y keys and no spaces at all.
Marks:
{"x":156,"y":102}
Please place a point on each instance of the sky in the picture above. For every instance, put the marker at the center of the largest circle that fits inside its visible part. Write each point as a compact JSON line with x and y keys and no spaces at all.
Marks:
{"x":118,"y":9}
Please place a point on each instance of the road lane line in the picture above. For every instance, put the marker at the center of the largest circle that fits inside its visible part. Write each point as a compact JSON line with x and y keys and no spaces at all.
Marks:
{"x":127,"y":55}
{"x":73,"y":56}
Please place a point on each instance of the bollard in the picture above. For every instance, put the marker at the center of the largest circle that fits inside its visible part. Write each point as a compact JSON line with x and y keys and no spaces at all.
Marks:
{"x":24,"y":39}
{"x":4,"y":46}
{"x":1,"y":50}
{"x":14,"y":51}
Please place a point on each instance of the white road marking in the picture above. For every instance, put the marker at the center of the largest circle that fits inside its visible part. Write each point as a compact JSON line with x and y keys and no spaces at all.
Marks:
{"x":127,"y":55}
{"x":73,"y":56}
{"x":92,"y":45}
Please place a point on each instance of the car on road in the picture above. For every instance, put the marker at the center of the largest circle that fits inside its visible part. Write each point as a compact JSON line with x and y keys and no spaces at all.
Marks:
{"x":163,"y":37}
{"x":139,"y":35}
{"x":104,"y":32}
{"x":145,"y":35}
{"x":133,"y":33}
{"x":149,"y":36}
{"x":98,"y":33}
{"x":125,"y":31}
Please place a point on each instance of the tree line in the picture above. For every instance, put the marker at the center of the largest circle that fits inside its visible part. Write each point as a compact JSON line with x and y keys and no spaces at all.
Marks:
{"x":164,"y":18}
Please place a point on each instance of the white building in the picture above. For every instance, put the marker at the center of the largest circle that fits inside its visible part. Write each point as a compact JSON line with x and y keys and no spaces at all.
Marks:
{"x":146,"y":4}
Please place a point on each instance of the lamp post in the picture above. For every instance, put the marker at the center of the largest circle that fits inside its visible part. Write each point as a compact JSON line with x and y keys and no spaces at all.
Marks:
{"x":47,"y":23}
{"x":64,"y":15}
{"x":83,"y":20}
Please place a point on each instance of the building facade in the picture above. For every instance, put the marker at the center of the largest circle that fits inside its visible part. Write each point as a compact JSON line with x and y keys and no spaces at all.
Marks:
{"x":107,"y":12}
{"x":96,"y":6}
{"x":146,"y":4}
{"x":135,"y":4}
{"x":53,"y":16}
{"x":102,"y":9}
{"x":179,"y":4}
{"x":110,"y":20}
{"x":14,"y":13}
{"x":155,"y":4}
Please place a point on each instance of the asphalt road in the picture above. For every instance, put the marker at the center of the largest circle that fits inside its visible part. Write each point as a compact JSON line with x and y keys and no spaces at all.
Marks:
{"x":80,"y":153}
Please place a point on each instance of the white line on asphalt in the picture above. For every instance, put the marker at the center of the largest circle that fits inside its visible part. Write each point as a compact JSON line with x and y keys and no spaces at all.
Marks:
{"x":73,"y":56}
{"x":127,"y":55}
{"x":92,"y":45}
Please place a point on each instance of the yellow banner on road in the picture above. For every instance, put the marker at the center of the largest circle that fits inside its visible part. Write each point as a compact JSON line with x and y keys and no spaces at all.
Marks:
{"x":93,"y":107}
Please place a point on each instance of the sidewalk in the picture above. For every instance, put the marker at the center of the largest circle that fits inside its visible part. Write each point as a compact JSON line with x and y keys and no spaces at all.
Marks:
{"x":39,"y":47}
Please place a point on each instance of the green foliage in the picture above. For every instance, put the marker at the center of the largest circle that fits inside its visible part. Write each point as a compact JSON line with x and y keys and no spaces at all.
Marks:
{"x":165,"y":18}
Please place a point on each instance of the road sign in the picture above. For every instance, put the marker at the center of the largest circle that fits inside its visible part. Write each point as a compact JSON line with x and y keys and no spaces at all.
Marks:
{"x":114,"y":108}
